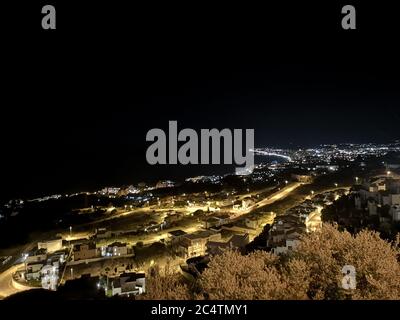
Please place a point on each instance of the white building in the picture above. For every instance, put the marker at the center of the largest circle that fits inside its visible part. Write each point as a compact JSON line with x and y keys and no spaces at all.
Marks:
{"x":165,"y":184}
{"x":247,"y":202}
{"x":127,"y":284}
{"x":357,"y":202}
{"x":395,"y":212}
{"x":391,"y":199}
{"x":372,"y":208}
{"x":36,"y":256}
{"x":32,"y":271}
{"x":115,"y":249}
{"x":252,"y":222}
{"x":51,"y":245}
{"x":50,"y":276}
{"x":395,"y":199}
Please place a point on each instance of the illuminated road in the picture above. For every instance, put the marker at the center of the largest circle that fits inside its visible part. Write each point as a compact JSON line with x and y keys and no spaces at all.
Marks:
{"x":7,"y":285}
{"x":284,"y":192}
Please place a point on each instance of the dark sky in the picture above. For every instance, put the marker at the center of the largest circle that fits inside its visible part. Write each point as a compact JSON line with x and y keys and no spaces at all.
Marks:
{"x":78,"y":103}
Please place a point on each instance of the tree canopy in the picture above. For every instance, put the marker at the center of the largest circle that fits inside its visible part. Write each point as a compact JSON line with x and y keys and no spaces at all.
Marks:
{"x":313,"y":270}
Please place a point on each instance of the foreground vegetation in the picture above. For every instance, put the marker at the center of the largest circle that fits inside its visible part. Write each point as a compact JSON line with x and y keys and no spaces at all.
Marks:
{"x":312,"y":271}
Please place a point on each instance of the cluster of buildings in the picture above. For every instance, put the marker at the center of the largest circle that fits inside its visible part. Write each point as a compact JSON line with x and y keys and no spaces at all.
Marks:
{"x":123,"y":283}
{"x":379,"y":194}
{"x":89,"y":250}
{"x":44,"y":264}
{"x":347,"y":152}
{"x":118,"y":191}
{"x":325,"y":158}
{"x":165,"y":184}
{"x":219,"y":232}
{"x":193,"y":244}
{"x":214,"y":179}
{"x":304,"y":218}
{"x":204,"y":242}
{"x":216,"y":221}
{"x":236,"y":241}
{"x":126,"y":285}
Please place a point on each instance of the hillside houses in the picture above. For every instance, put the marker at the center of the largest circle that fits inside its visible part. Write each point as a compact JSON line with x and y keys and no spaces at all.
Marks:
{"x":44,"y":266}
{"x":127,"y":284}
{"x":236,"y":241}
{"x":195,"y":244}
{"x":303,"y":218}
{"x":378,"y":193}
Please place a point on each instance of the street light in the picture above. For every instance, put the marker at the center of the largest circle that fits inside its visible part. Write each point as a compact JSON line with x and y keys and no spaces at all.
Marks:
{"x":72,"y":273}
{"x":70,"y":231}
{"x":312,"y":192}
{"x":356,"y":179}
{"x":336,"y":185}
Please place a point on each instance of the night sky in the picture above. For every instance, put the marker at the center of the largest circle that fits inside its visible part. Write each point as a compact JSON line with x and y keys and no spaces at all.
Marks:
{"x":77,"y":104}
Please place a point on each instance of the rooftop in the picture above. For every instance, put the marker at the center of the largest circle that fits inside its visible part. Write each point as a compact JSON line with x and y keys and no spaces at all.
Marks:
{"x":90,"y":246}
{"x":177,"y":233}
{"x":127,"y":278}
{"x":117,"y":244}
{"x":200,"y":234}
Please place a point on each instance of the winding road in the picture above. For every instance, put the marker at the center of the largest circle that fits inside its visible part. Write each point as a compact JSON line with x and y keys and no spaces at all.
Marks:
{"x":7,"y":285}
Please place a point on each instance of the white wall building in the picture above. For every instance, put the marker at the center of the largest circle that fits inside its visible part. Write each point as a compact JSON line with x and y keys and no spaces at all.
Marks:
{"x":128,"y":284}
{"x":50,"y":276}
{"x":32,"y":271}
{"x":51,"y":245}
{"x":395,"y":212}
{"x":115,"y":249}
